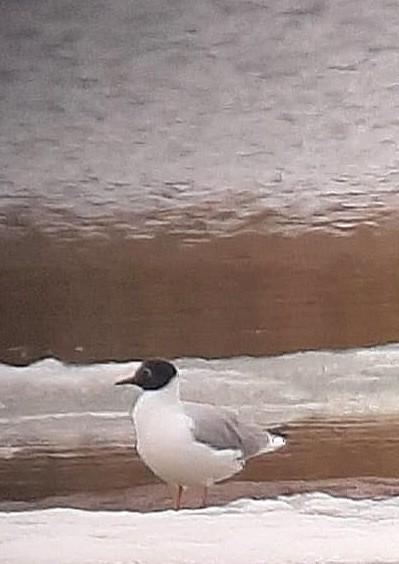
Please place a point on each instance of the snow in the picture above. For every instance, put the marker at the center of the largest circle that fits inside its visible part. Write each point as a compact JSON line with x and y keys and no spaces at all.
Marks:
{"x":311,"y":528}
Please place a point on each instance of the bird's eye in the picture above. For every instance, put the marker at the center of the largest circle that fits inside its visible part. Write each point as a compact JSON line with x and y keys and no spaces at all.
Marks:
{"x":147,"y":373}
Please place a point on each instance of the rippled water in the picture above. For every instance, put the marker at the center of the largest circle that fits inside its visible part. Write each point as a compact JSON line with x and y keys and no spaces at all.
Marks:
{"x":195,"y":118}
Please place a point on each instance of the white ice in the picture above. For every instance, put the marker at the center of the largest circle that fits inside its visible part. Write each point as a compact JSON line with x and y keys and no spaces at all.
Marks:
{"x":70,"y":406}
{"x":311,"y":528}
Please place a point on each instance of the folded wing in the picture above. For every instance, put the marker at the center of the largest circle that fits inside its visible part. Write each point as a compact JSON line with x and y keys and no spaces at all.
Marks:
{"x":220,"y":429}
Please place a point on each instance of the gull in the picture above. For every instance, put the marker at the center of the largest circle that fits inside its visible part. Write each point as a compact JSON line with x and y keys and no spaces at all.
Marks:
{"x":186,"y":443}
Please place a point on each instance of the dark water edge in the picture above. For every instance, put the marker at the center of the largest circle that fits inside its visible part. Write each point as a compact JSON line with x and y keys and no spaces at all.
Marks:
{"x":91,"y":297}
{"x":158,"y":497}
{"x":352,"y":457}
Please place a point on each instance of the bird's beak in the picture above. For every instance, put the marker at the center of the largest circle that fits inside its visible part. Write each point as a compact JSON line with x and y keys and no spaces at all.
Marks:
{"x":130,"y":380}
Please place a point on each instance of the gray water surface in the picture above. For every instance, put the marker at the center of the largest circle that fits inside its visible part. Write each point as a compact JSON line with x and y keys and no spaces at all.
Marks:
{"x":198,"y":116}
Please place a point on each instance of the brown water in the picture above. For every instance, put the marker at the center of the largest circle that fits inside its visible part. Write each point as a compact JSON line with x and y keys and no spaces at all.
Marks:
{"x":93,"y":299}
{"x":261,"y":132}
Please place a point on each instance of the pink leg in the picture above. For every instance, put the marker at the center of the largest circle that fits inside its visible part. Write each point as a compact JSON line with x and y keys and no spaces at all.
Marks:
{"x":204,"y":496}
{"x":177,"y":497}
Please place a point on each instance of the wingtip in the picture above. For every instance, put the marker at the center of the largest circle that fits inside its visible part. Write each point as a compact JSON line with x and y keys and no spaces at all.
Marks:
{"x":275,"y":442}
{"x":278,"y":441}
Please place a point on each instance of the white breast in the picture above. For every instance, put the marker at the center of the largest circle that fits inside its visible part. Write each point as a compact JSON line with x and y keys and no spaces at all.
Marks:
{"x":160,"y":427}
{"x":166,"y":444}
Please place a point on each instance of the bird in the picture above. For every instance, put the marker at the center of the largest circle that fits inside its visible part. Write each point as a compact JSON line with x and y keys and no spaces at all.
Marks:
{"x":186,"y":443}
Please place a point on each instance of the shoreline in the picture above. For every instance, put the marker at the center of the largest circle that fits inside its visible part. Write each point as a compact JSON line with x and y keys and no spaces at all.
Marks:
{"x":91,"y":299}
{"x":158,"y":497}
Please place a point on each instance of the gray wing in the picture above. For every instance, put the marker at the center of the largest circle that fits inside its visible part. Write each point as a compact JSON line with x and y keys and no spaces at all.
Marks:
{"x":222,"y":430}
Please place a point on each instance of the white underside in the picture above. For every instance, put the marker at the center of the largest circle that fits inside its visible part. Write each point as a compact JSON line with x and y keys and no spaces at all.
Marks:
{"x":166,"y":444}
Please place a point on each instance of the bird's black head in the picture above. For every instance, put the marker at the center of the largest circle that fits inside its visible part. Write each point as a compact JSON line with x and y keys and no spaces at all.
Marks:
{"x":152,"y":374}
